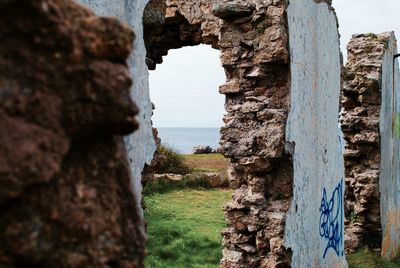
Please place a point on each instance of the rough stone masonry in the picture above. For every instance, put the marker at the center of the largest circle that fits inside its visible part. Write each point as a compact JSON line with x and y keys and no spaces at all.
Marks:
{"x":281,"y":133}
{"x":371,"y":124}
{"x":253,"y":39}
{"x":65,"y":184}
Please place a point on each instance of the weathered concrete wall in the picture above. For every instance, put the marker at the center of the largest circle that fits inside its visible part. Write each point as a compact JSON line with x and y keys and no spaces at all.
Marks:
{"x":315,"y":222}
{"x":389,"y":178}
{"x":370,"y":122}
{"x":141,"y":144}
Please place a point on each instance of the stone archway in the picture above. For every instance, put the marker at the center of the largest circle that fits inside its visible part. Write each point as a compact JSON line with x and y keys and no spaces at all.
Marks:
{"x":253,"y":44}
{"x":92,"y":174}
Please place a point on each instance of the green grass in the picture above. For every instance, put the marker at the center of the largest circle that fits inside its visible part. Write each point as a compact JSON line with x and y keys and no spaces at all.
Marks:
{"x":365,"y":258}
{"x":184,"y":228}
{"x":165,"y":186}
{"x":206,"y":162}
{"x":169,"y":161}
{"x":185,"y":220}
{"x":216,"y":156}
{"x":371,"y":35}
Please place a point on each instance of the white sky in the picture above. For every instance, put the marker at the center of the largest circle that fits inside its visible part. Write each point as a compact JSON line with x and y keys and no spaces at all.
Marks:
{"x":184,"y":87}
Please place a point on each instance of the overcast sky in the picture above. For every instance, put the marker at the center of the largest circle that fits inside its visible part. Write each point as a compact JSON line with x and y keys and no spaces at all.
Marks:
{"x":185,"y":87}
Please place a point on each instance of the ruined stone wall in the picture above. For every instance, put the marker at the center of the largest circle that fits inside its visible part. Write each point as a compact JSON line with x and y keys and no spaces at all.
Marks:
{"x":65,"y":195}
{"x":315,"y":222}
{"x":255,"y":57}
{"x":369,"y":121}
{"x":66,"y":101}
{"x":253,"y":39}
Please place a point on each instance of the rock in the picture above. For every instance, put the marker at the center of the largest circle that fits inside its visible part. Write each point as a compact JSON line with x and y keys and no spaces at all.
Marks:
{"x":169,"y":177}
{"x":66,"y":198}
{"x":202,"y":150}
{"x":232,"y":10}
{"x":214,"y":180}
{"x":231,"y":256}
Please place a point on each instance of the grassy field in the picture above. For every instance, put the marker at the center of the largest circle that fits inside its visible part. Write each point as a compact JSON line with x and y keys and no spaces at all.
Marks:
{"x":206,"y":162}
{"x":185,"y":223}
{"x":366,"y":258}
{"x":184,"y":228}
{"x":184,"y":231}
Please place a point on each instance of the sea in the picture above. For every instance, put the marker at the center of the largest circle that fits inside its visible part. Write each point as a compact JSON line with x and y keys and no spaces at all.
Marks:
{"x":183,"y":140}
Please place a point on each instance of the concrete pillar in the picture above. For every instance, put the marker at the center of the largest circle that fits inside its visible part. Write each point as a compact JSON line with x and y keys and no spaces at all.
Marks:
{"x":389,"y":179}
{"x":315,"y":222}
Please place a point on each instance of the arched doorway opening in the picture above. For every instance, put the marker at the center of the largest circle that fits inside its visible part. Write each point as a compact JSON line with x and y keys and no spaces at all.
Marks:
{"x":184,"y":91}
{"x":184,"y":218}
{"x":254,"y":55}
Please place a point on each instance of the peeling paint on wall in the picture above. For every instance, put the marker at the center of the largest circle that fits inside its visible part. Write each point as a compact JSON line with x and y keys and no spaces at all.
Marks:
{"x":140,"y":145}
{"x":389,"y":179}
{"x":316,"y":213}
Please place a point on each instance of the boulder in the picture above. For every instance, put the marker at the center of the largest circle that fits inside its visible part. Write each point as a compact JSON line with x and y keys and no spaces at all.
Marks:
{"x":202,"y":150}
{"x":232,"y":10}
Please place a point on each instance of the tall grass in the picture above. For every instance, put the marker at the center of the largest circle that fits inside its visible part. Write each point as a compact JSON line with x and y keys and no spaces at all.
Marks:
{"x":366,"y":258}
{"x":184,"y":228}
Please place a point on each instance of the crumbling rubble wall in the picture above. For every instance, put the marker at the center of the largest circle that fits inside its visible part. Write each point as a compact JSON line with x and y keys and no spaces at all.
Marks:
{"x":370,"y":123}
{"x":66,"y":101}
{"x":315,"y":222}
{"x":65,"y":188}
{"x":253,"y":39}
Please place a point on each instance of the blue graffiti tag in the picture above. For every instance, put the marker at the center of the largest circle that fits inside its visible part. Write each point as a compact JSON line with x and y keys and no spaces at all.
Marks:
{"x":331,"y":220}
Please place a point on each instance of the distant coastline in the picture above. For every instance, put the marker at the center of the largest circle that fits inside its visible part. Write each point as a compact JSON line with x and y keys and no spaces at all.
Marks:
{"x":183,"y":139}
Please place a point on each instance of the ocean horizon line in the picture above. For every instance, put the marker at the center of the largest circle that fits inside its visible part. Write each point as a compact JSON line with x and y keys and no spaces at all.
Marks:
{"x":184,"y":139}
{"x":187,"y":127}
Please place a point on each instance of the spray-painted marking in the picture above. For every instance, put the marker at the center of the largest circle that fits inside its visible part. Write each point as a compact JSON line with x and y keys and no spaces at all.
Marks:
{"x":331,"y":220}
{"x":397,"y":125}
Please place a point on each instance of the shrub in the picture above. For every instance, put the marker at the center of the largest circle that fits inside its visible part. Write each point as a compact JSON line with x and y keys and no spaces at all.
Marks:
{"x":169,"y":161}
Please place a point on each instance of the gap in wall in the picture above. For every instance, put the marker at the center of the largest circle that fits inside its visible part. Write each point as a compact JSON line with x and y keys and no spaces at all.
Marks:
{"x":184,"y":213}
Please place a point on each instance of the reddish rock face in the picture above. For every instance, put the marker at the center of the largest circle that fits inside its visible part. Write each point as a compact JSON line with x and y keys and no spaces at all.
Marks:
{"x":65,"y":193}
